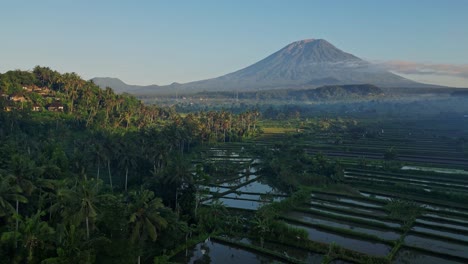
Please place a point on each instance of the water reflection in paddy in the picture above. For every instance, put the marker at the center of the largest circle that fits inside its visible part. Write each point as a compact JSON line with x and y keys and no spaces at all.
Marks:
{"x":257,"y":197}
{"x":348,"y":207}
{"x":371,"y":248}
{"x":216,"y":252}
{"x":440,"y":233}
{"x":452,"y":219}
{"x":290,"y":251}
{"x":346,"y":200}
{"x":385,"y":234}
{"x":460,"y":227}
{"x":425,"y":205}
{"x":391,"y":224}
{"x":258,"y":187}
{"x":376,"y":196}
{"x":437,"y":245}
{"x":407,"y":256}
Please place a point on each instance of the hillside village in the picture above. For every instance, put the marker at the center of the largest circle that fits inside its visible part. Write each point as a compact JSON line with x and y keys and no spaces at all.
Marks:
{"x":32,"y":98}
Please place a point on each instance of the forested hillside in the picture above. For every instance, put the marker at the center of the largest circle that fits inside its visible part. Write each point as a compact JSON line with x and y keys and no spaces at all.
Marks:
{"x":89,"y":176}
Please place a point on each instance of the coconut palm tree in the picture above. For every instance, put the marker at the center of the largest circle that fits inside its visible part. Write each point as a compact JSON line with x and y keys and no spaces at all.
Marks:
{"x":34,"y":233}
{"x":145,"y":219}
{"x":10,"y":193}
{"x":107,"y":154}
{"x":88,"y":192}
{"x":81,"y":203}
{"x":22,"y":168}
{"x":127,"y":157}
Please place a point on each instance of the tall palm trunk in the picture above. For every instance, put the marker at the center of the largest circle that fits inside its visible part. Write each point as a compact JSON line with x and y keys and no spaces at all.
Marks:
{"x":126,"y":178}
{"x":87,"y":227}
{"x":139,"y":248}
{"x":110,"y":176}
{"x":98,"y":168}
{"x":17,"y":223}
{"x":176,"y":203}
{"x":197,"y":201}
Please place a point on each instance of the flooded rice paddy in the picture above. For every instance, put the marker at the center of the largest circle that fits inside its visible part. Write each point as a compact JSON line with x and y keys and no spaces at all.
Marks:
{"x":248,"y":190}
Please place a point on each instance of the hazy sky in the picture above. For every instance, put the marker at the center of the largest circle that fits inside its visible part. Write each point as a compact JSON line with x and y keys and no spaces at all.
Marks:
{"x":159,"y":42}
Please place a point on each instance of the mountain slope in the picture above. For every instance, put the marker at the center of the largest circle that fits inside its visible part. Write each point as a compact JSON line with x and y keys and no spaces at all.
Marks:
{"x":119,"y":86}
{"x":310,"y":62}
{"x":302,"y":64}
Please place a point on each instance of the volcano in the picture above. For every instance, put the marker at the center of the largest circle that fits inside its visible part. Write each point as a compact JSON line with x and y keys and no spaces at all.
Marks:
{"x":302,"y":64}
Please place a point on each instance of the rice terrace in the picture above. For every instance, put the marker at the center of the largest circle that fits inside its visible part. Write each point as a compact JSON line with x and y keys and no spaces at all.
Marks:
{"x":385,"y":193}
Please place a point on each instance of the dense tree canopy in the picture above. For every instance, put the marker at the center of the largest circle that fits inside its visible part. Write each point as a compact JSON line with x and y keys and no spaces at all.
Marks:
{"x":105,"y":178}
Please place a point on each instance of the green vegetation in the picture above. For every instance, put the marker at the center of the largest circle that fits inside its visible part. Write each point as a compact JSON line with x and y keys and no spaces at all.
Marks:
{"x":406,"y":211}
{"x":98,"y":177}
{"x":90,"y":176}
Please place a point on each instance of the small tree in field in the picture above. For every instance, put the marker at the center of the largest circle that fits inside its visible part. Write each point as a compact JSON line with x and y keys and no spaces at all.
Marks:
{"x":390,"y":154}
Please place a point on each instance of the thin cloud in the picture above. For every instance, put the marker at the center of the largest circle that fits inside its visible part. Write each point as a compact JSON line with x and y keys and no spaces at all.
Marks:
{"x":409,"y":67}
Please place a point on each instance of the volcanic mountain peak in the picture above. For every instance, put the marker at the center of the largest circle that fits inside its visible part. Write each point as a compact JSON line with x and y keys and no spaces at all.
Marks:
{"x":302,"y":42}
{"x":301,"y":64}
{"x":315,"y":50}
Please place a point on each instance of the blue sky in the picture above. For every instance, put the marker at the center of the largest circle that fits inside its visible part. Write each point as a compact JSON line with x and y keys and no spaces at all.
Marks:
{"x":146,"y":42}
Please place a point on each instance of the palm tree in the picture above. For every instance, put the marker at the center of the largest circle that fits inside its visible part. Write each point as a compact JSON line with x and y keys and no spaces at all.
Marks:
{"x":176,"y":177}
{"x":35,"y":233}
{"x":107,"y":151}
{"x":145,"y":218}
{"x":200,"y":178}
{"x":88,"y":193}
{"x":22,"y":168}
{"x":81,"y":203}
{"x":127,"y":158}
{"x":10,"y":192}
{"x":96,"y":152}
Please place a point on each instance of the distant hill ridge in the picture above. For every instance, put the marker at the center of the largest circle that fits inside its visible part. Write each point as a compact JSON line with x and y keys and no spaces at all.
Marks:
{"x":302,"y":64}
{"x":119,"y":86}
